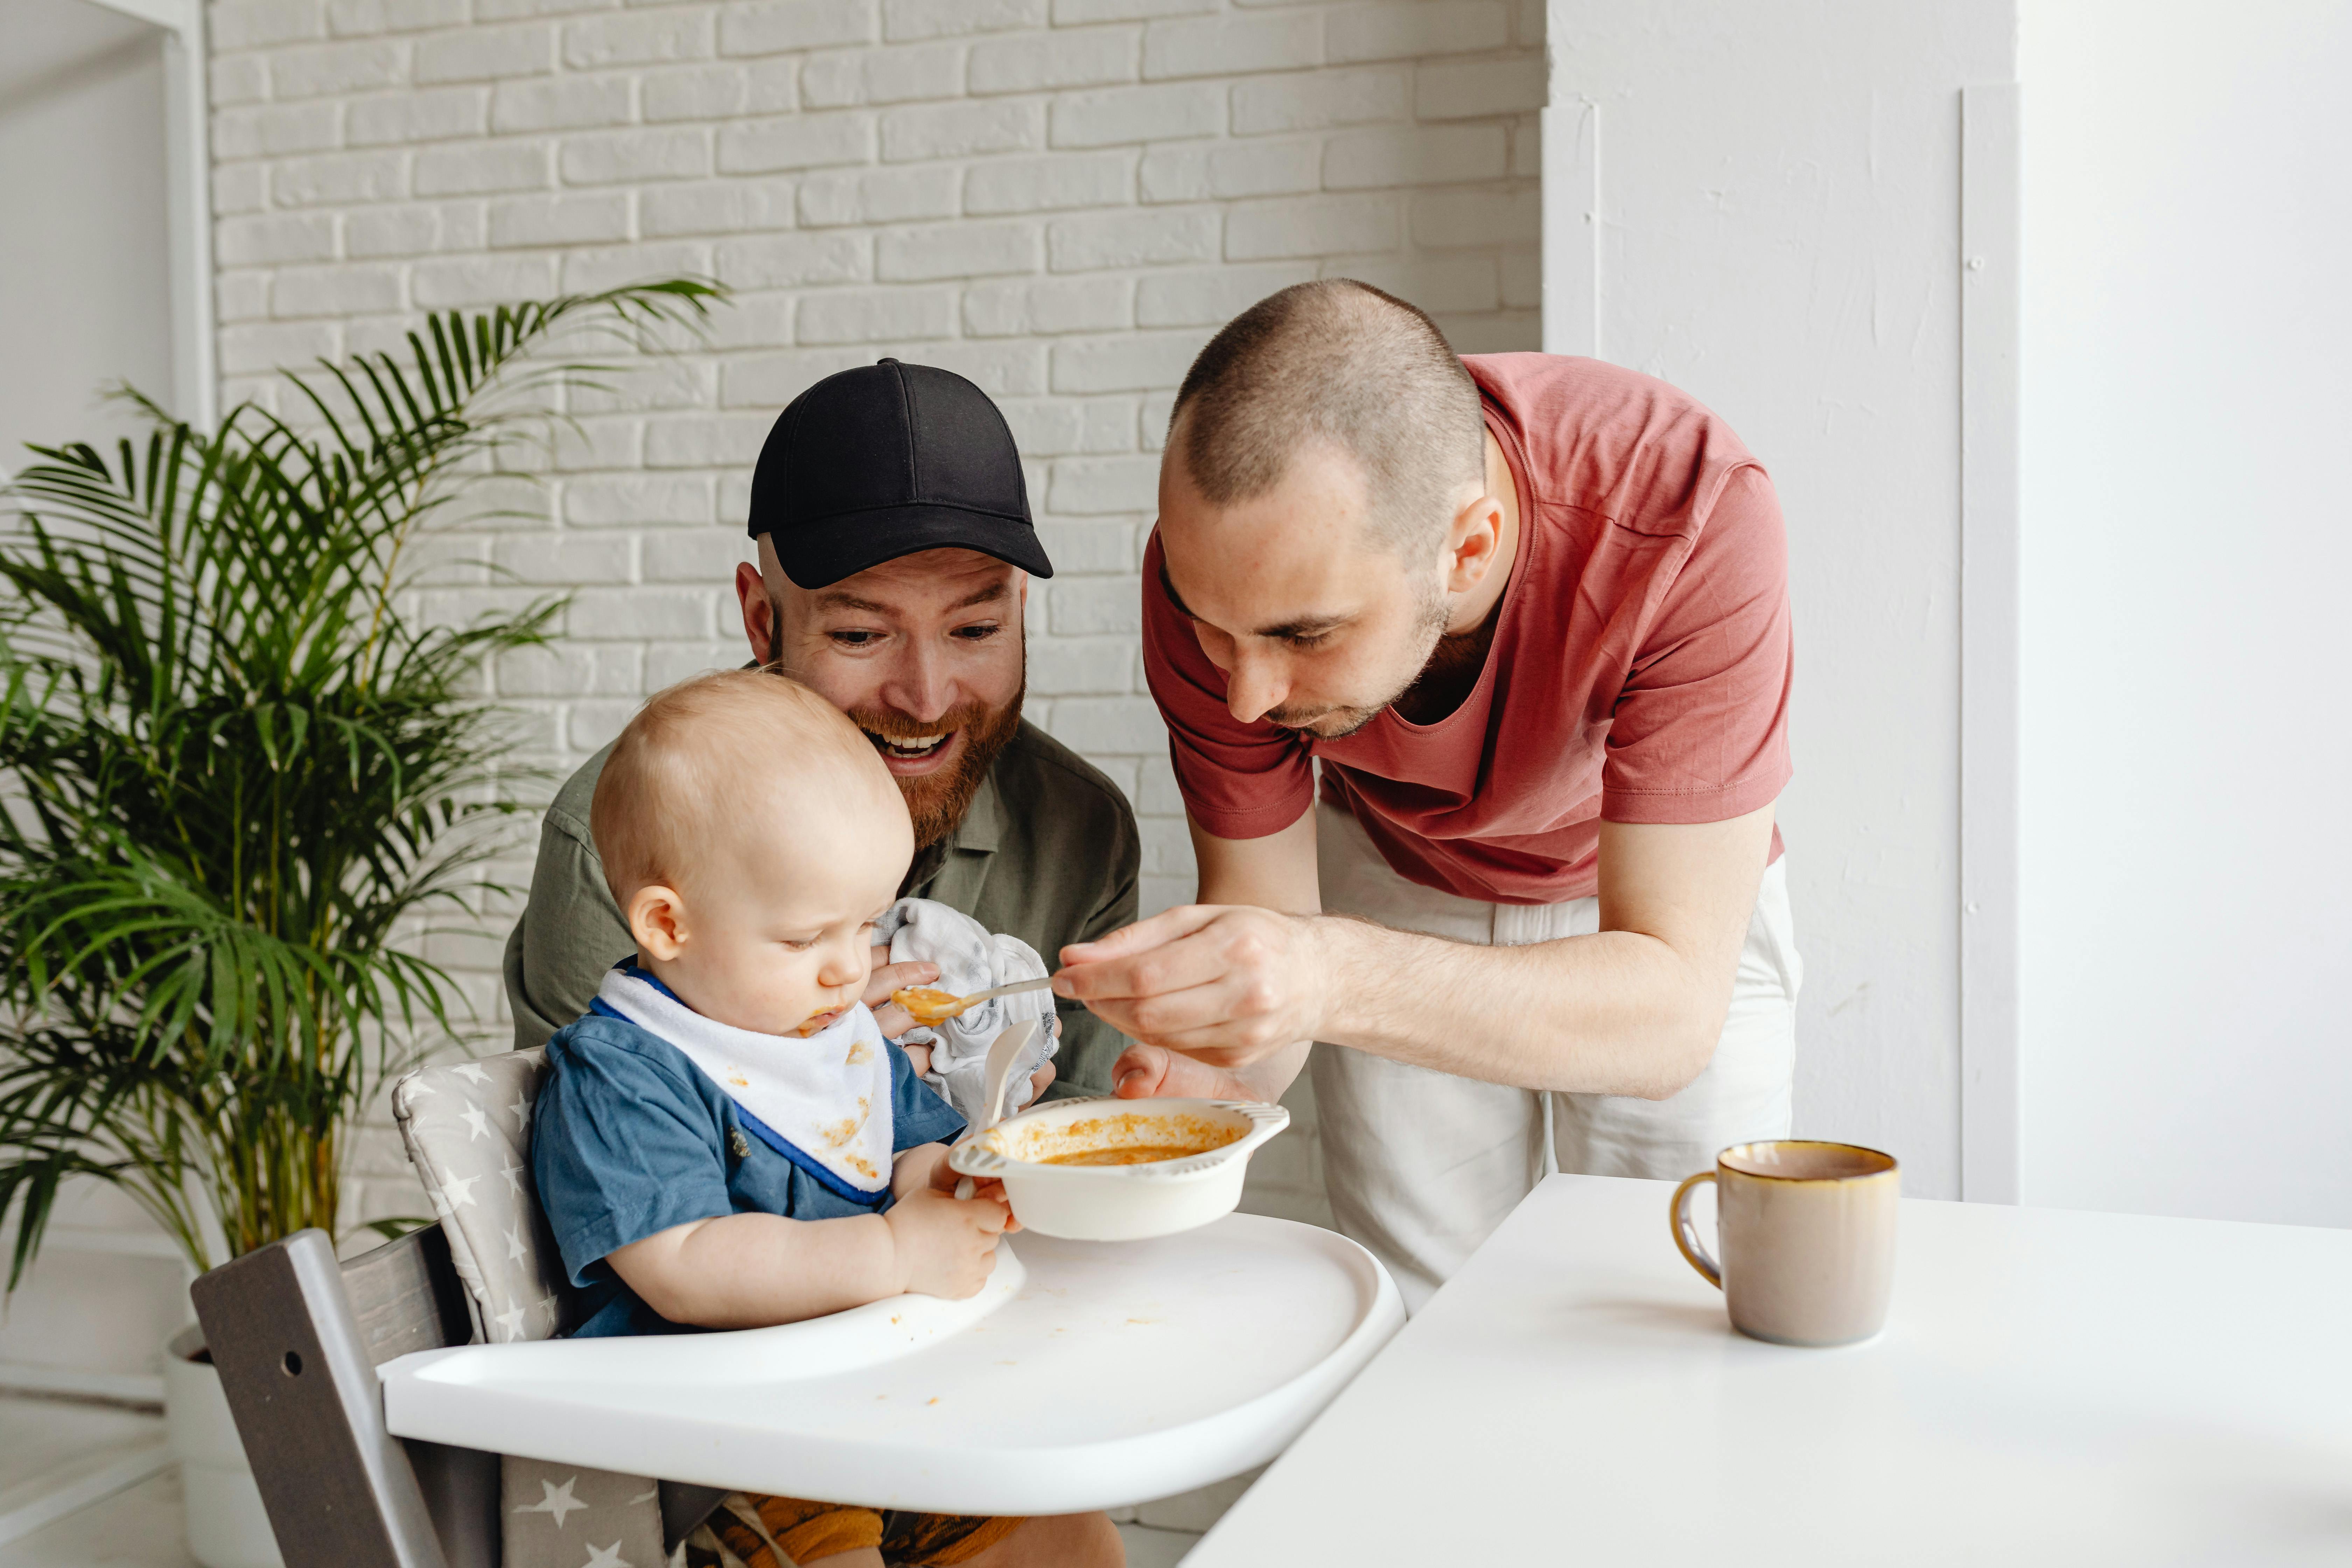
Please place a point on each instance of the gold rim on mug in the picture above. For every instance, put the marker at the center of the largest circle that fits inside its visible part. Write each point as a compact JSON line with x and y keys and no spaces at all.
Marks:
{"x":1886,"y":1168}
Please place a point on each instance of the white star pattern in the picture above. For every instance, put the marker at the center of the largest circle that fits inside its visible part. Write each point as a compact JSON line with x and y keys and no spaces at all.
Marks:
{"x":479,"y":1123}
{"x":558,"y":1501}
{"x":511,"y":1322}
{"x":413,"y":1085}
{"x":516,"y":1250}
{"x":645,"y":1497}
{"x":513,"y":1173}
{"x":459,"y":1190}
{"x":472,"y":1072}
{"x":521,"y":1108}
{"x":606,"y":1556}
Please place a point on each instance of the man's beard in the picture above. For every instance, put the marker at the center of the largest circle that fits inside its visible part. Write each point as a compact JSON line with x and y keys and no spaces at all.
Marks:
{"x":1339,"y":721}
{"x":938,"y":801}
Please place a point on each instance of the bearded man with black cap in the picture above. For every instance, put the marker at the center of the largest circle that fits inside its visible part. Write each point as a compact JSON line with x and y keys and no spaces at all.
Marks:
{"x":895,"y":554}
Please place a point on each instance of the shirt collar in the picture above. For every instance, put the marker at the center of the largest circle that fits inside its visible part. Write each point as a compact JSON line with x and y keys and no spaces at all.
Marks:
{"x":978,"y":833}
{"x":983,"y":820}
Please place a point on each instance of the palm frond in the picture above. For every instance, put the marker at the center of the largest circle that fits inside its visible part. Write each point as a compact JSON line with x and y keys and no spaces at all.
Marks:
{"x":235,"y":765}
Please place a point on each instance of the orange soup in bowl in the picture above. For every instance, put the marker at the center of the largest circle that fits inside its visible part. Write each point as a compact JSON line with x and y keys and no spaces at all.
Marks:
{"x":1115,"y":1138}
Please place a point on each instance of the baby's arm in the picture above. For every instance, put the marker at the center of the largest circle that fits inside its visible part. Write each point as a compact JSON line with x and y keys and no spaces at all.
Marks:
{"x":752,"y":1271}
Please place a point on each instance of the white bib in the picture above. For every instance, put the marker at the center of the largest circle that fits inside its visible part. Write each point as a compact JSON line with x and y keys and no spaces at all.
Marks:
{"x":827,"y":1097}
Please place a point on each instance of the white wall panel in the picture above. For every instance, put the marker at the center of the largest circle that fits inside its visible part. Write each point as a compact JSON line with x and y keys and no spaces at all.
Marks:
{"x":2187,"y":854}
{"x":1779,"y":199}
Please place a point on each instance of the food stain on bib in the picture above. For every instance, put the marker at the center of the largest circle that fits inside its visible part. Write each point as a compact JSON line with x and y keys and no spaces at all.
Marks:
{"x":839,"y":1132}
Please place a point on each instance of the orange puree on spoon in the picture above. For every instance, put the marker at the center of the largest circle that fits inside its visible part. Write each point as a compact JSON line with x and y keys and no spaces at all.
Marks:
{"x":927,"y":1004}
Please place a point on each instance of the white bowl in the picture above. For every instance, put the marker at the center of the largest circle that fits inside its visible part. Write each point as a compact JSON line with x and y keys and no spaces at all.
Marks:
{"x":1120,"y":1203}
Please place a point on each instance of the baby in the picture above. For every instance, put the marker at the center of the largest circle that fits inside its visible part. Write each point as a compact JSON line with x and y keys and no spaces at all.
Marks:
{"x":726,"y":1139}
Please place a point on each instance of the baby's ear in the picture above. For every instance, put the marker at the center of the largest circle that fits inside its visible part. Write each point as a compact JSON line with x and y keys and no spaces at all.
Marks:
{"x":657,"y":917}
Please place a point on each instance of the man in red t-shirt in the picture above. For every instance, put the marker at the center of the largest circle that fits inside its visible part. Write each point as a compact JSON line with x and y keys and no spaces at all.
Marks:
{"x":1529,"y":614}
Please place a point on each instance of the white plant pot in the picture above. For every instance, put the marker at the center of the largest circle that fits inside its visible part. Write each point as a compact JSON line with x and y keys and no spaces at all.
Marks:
{"x":228,"y":1526}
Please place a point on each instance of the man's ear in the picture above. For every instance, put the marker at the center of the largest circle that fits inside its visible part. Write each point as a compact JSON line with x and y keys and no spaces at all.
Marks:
{"x":1472,"y":543}
{"x":759,"y":612}
{"x":657,"y":919}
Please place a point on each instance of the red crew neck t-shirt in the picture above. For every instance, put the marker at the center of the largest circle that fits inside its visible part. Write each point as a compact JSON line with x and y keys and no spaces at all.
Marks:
{"x":1639,"y":671}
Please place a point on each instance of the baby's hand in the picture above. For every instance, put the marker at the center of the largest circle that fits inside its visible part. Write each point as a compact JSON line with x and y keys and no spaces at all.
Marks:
{"x":944,"y":1178}
{"x":946,"y":1246}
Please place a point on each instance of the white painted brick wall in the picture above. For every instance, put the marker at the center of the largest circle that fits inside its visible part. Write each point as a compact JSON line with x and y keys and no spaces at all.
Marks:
{"x":1061,"y":199}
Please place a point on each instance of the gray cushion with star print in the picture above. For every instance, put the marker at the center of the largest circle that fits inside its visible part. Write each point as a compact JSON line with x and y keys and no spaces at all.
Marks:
{"x":468,"y":1128}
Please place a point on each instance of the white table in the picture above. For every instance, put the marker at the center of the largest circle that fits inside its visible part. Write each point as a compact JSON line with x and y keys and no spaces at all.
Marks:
{"x":1087,"y":1374}
{"x":2051,"y":1387}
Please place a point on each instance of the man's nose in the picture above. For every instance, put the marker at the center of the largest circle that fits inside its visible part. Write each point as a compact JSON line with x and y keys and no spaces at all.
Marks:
{"x":920,"y":685}
{"x":1255,"y":685}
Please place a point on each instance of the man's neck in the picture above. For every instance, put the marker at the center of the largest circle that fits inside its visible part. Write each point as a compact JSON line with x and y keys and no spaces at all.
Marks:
{"x":1460,"y":655}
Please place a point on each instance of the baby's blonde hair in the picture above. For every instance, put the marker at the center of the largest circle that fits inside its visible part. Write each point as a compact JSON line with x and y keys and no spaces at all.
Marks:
{"x":720,"y":752}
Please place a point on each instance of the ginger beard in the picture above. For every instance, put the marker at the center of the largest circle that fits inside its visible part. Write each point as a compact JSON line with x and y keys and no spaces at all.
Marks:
{"x":937,"y":800}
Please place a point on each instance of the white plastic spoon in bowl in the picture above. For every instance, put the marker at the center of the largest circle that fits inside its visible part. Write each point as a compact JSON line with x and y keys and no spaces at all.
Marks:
{"x":995,"y":1076}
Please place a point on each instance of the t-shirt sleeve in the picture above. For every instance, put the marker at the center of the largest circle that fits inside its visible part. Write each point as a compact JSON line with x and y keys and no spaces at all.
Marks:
{"x":918,"y":1116}
{"x":1239,"y":781}
{"x":621,"y":1150}
{"x":1700,"y":733}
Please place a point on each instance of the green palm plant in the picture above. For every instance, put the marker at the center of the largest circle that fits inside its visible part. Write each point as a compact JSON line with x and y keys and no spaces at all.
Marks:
{"x":239,"y":771}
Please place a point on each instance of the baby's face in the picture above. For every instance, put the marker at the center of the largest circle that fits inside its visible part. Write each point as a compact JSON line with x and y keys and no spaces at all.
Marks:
{"x":775,"y":927}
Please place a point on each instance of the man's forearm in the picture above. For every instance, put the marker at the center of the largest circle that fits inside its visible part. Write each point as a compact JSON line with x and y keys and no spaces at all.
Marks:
{"x":1635,"y":1009}
{"x":1613,"y":1013}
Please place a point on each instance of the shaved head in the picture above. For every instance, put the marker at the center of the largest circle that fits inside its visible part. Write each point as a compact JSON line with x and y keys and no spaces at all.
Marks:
{"x":1340,"y":364}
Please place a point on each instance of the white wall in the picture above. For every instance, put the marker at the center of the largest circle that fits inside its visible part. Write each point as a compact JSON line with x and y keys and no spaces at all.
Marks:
{"x":84,"y":289}
{"x":2188,"y":542}
{"x":1778,"y":191}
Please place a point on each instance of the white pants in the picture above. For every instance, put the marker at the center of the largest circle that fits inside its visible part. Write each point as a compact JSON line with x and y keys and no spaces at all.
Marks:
{"x":1422,"y":1165}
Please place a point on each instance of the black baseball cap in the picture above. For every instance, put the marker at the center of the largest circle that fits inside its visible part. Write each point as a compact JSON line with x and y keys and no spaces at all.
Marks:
{"x":887,"y":460}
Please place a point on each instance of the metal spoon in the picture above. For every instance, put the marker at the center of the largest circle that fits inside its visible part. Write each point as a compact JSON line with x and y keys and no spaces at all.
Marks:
{"x":928,"y":1013}
{"x":997,"y":1075}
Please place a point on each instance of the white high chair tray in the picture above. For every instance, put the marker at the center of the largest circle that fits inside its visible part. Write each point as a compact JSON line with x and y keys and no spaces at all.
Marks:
{"x":1087,"y":1374}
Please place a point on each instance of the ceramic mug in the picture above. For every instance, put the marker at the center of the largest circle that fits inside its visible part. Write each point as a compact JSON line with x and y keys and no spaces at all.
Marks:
{"x":1806,"y":1231}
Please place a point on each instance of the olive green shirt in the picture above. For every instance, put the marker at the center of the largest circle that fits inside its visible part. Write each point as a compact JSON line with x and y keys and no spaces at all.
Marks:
{"x":1048,"y":852}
